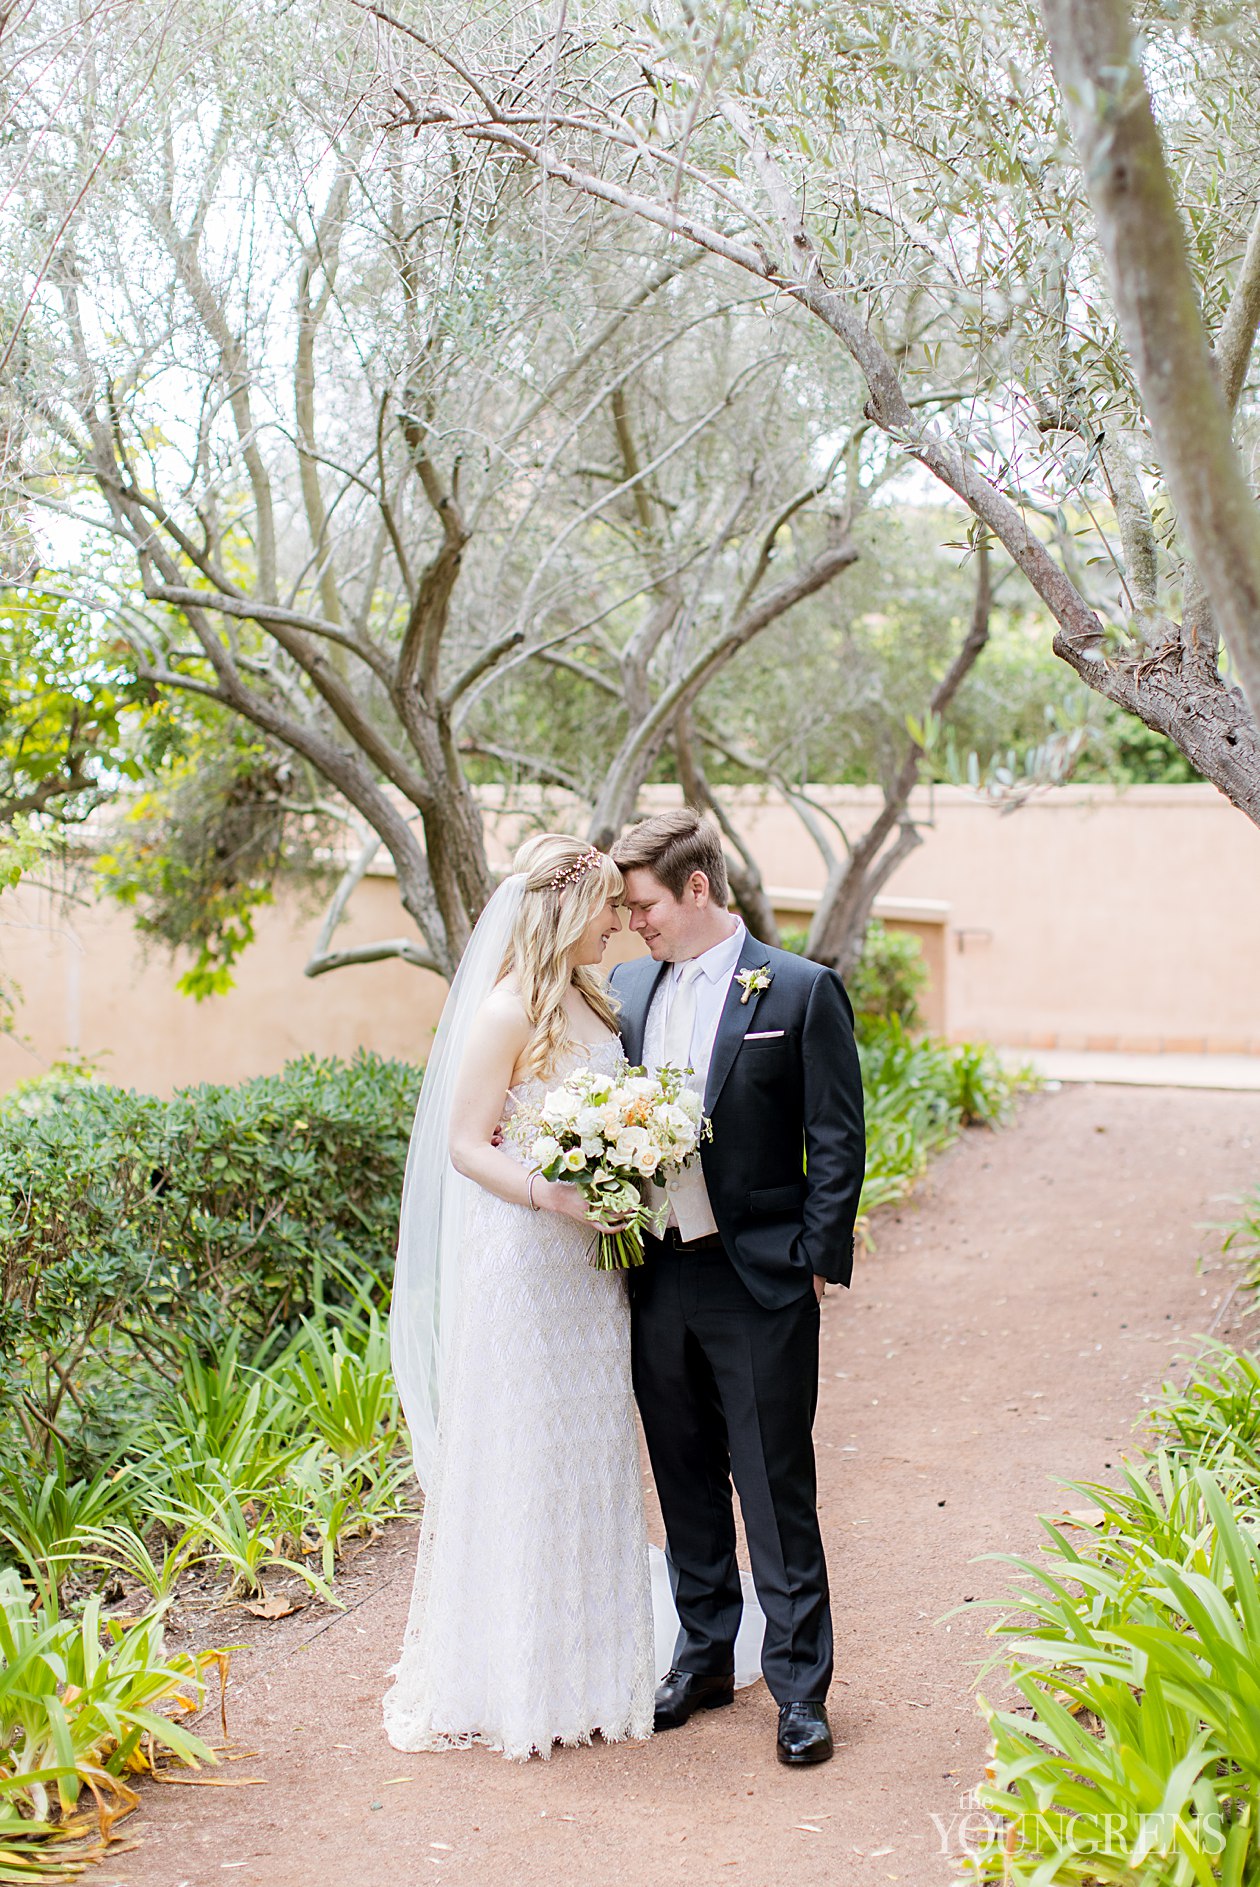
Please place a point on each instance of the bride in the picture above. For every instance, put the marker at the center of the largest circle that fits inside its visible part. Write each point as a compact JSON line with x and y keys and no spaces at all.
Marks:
{"x":531,"y":1617}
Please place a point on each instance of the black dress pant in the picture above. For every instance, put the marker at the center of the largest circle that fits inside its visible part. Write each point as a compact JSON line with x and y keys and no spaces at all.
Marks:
{"x":726,"y":1387}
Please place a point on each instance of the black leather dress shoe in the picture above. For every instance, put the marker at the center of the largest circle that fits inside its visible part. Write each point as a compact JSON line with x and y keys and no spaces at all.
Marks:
{"x":681,"y":1693}
{"x":804,"y":1734}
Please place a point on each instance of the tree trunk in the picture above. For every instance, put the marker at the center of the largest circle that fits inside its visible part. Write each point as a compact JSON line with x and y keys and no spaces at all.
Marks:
{"x":844,"y":911}
{"x":747,"y":886}
{"x":1140,"y":232}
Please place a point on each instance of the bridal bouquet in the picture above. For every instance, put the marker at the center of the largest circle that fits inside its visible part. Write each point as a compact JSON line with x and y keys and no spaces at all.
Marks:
{"x":611,"y":1133}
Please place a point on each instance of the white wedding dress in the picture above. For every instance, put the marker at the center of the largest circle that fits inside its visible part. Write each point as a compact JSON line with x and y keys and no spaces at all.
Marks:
{"x":531,"y":1617}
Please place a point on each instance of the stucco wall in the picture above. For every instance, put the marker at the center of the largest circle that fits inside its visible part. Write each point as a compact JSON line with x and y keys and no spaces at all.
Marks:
{"x":1088,"y":919}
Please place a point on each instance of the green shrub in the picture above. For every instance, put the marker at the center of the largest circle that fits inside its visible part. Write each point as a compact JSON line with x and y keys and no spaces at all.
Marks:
{"x":38,"y":1093}
{"x":889,"y":979}
{"x":134,"y":1222}
{"x":919,"y":1095}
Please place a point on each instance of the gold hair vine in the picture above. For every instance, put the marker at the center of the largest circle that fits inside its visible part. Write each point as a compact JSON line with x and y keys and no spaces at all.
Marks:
{"x":580,"y":866}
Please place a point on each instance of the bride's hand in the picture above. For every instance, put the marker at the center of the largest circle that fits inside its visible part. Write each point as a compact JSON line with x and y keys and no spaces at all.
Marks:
{"x":558,"y":1195}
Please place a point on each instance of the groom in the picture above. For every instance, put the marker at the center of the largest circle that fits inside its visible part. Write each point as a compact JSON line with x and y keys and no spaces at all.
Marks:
{"x":725,"y":1312}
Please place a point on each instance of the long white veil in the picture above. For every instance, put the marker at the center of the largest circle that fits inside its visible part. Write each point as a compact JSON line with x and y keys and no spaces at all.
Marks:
{"x":435,"y":1196}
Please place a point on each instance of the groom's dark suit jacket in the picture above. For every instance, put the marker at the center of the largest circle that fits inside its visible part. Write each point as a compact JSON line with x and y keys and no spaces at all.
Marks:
{"x":785,"y":1165}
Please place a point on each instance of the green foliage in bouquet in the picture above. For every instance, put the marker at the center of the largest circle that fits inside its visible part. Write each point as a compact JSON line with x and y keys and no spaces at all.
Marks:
{"x":608,"y":1134}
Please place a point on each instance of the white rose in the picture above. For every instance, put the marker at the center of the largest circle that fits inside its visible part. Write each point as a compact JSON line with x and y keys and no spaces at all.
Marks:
{"x":590,"y":1123}
{"x":628,"y":1145}
{"x":647,"y":1162}
{"x":591,"y":1149}
{"x":546,"y":1149}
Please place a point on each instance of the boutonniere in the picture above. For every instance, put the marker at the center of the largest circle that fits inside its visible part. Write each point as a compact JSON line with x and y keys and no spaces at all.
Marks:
{"x":752,"y":982}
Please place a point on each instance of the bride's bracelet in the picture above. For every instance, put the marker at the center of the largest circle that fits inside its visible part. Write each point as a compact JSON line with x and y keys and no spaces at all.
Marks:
{"x":529,"y":1188}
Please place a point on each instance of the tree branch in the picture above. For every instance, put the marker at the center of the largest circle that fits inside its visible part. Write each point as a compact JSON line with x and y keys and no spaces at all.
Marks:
{"x":416,"y":670}
{"x":844,"y":910}
{"x":234,"y":364}
{"x":322,"y":958}
{"x":324,"y":254}
{"x":331,"y":686}
{"x":610,"y":810}
{"x":403,"y":947}
{"x":546,"y":770}
{"x":489,"y":658}
{"x":1237,"y":337}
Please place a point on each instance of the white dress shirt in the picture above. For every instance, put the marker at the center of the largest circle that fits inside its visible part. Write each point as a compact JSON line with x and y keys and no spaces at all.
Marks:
{"x":688,"y":1195}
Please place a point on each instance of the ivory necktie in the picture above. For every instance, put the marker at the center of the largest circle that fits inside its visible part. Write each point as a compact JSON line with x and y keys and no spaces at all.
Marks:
{"x":681,"y":1021}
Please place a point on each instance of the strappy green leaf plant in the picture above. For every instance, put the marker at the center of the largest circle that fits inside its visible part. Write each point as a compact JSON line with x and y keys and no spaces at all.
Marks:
{"x":44,"y":1512}
{"x":84,"y":1704}
{"x":920,"y":1094}
{"x":1134,"y":1757}
{"x":247,"y":1531}
{"x":1242,"y":1238}
{"x":1216,"y":1417}
{"x":339,"y":1378}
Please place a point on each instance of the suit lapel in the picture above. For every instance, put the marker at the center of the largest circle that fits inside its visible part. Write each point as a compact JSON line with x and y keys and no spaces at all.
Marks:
{"x":734,"y":1020}
{"x":635,"y":1014}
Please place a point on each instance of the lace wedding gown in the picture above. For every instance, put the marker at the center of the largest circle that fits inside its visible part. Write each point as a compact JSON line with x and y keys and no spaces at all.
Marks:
{"x":531,"y":1615}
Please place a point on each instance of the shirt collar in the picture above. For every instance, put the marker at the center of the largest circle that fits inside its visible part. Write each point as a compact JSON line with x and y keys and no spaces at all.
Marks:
{"x":720,"y":959}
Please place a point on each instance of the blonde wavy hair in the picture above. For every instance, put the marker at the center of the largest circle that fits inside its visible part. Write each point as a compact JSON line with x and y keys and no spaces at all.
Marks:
{"x":548,"y":924}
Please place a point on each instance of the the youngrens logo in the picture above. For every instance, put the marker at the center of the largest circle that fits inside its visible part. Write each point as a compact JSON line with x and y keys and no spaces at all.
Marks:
{"x":978,"y":1832}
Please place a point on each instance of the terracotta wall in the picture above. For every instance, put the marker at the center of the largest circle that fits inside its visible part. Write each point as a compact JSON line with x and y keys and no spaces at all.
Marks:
{"x":1087,"y":919}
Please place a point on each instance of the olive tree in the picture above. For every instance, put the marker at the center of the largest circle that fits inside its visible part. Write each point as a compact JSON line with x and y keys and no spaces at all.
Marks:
{"x":903,"y":174}
{"x":344,"y":434}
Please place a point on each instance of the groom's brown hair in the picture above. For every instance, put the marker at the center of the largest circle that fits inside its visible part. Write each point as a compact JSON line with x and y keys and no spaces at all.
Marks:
{"x":671,"y":845}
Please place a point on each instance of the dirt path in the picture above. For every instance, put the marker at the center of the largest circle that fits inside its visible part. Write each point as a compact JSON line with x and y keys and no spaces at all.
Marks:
{"x":1004,"y":1335}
